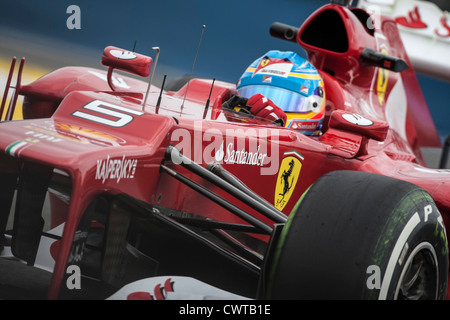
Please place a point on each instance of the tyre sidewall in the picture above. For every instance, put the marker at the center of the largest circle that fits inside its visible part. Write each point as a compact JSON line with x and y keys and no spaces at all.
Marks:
{"x":346,"y":223}
{"x":416,"y":223}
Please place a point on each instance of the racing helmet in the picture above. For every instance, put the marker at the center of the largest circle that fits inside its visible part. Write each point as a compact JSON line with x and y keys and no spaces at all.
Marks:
{"x":293,"y":84}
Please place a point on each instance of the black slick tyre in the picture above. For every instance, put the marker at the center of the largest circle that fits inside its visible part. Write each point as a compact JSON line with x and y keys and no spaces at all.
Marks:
{"x":356,"y":235}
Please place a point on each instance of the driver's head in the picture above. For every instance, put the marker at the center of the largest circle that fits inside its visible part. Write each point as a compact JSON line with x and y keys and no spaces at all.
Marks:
{"x":292,"y":83}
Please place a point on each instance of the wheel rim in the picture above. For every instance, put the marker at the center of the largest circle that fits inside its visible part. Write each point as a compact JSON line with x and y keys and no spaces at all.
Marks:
{"x":420,"y":275}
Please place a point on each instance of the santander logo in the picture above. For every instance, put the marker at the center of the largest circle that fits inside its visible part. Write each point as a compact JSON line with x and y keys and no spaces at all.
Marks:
{"x":159,"y":292}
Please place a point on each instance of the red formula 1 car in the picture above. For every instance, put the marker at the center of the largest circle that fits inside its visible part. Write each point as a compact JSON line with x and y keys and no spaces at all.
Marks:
{"x":111,"y":182}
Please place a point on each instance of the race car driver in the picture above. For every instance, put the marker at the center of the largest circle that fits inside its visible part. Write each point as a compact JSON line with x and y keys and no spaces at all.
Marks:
{"x":285,"y":88}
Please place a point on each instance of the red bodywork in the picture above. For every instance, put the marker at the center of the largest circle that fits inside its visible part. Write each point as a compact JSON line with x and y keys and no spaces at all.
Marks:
{"x":120,"y":148}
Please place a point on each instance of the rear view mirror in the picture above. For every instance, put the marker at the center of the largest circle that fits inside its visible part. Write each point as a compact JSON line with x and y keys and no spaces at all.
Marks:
{"x":352,"y":122}
{"x":132,"y":62}
{"x":377,"y":59}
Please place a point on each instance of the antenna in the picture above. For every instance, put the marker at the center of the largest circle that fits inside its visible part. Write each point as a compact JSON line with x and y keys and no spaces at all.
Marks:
{"x":209,"y":97}
{"x":193,"y":64}
{"x":160,"y":93}
{"x":134,"y":46}
{"x":151,"y":77}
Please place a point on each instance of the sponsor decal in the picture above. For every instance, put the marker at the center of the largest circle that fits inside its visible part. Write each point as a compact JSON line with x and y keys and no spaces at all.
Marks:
{"x":264,"y":63}
{"x":413,"y":20}
{"x":273,"y":68}
{"x":304,"y":125}
{"x":57,"y":132}
{"x":115,"y":169}
{"x":48,"y":132}
{"x":304,"y":90}
{"x":88,"y":134}
{"x":159,"y":292}
{"x":43,"y":136}
{"x":123,"y":55}
{"x":250,"y":146}
{"x":267,"y":79}
{"x":422,"y":18}
{"x":445,"y":25}
{"x":288,"y":174}
{"x":357,"y":119}
{"x":382,"y":80}
{"x":242,"y":156}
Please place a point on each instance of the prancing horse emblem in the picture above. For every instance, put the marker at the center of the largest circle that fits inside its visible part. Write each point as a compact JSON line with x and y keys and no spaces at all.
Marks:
{"x":287,"y":178}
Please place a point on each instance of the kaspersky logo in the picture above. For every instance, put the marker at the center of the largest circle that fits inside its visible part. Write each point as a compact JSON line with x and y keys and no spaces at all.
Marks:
{"x":287,"y":178}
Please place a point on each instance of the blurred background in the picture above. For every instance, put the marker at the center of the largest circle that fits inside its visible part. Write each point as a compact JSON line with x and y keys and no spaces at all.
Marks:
{"x":237,"y":32}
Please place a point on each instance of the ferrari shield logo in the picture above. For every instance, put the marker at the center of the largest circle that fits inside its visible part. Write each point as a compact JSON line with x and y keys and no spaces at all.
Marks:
{"x":287,"y":178}
{"x":264,"y":63}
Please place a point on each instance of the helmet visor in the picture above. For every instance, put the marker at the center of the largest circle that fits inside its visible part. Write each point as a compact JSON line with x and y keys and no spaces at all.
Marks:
{"x":287,"y":100}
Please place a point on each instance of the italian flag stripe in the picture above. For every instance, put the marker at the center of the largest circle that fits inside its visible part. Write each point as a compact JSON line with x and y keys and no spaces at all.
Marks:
{"x":13,"y":148}
{"x":294,"y":153}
